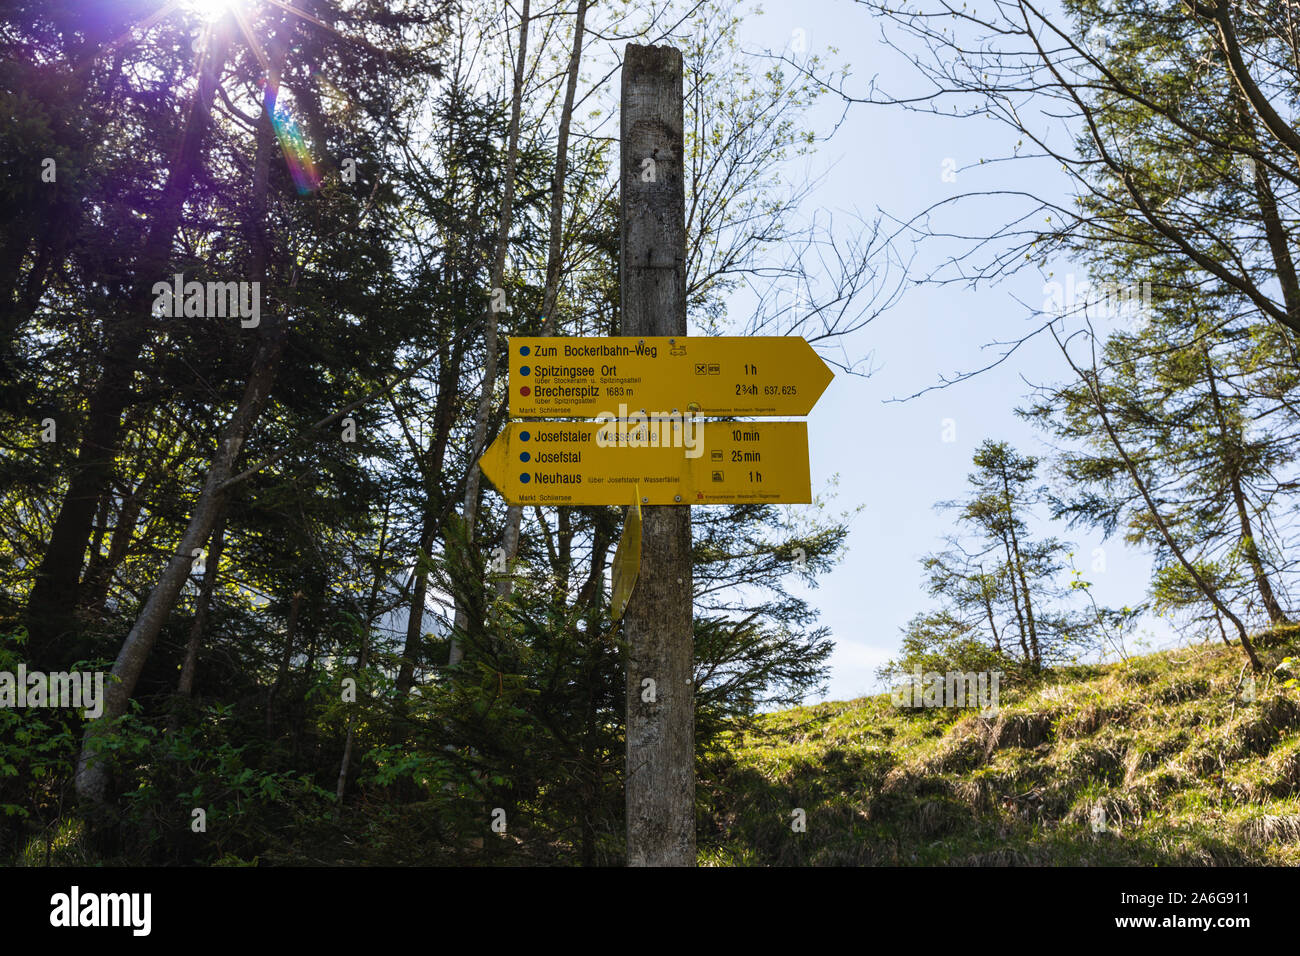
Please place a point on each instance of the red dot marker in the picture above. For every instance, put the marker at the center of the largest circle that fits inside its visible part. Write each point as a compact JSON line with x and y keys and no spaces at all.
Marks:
{"x":525,"y":390}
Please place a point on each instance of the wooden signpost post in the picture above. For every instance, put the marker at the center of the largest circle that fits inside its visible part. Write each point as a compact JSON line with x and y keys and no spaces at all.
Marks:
{"x":648,"y":450}
{"x":658,"y":626}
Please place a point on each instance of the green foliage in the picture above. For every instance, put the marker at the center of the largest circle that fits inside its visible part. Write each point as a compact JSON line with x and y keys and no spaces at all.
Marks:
{"x":1186,"y":770}
{"x":938,"y":643}
{"x":197,"y":766}
{"x":1000,"y":587}
{"x":346,"y":519}
{"x":37,"y":754}
{"x":1202,"y":405}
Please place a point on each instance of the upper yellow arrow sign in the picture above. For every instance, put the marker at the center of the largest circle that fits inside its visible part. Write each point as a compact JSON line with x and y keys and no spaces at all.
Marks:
{"x":669,"y":462}
{"x":722,"y":375}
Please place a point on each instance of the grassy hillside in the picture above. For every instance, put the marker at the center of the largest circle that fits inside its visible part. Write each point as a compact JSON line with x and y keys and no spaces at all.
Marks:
{"x":1187,"y":771}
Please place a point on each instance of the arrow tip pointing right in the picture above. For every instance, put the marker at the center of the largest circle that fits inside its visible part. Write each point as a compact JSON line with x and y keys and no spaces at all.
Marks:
{"x":819,"y":373}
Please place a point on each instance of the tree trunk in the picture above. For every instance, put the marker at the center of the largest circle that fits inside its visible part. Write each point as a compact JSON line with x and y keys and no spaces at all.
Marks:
{"x":185,"y":686}
{"x":435,"y":510}
{"x":92,"y":775}
{"x":92,"y":772}
{"x":51,"y":219}
{"x":504,"y":221}
{"x":1015,"y":600}
{"x":99,"y":571}
{"x":1232,"y":458}
{"x":415,"y":612}
{"x":346,"y":762}
{"x":554,"y":258}
{"x":55,"y":590}
{"x":658,"y":624}
{"x":282,"y":672}
{"x":1206,"y":588}
{"x":988,"y":610}
{"x":367,"y":617}
{"x":1019,"y":569}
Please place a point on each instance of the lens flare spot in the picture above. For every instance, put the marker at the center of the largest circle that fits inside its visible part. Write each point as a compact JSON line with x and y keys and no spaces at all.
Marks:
{"x":306,"y":177}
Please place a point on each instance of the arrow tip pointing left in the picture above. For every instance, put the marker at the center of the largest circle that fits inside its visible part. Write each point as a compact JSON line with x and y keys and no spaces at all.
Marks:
{"x":495,"y":461}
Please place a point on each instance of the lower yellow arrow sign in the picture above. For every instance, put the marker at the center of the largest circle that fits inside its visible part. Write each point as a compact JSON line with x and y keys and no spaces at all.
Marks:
{"x":673,"y":462}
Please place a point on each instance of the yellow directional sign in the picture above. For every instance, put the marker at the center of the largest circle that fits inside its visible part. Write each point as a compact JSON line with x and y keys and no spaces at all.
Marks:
{"x":672,"y":462}
{"x":722,"y":375}
{"x":627,"y":562}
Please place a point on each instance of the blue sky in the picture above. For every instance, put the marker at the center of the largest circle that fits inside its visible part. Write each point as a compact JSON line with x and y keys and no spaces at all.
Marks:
{"x":893,"y":456}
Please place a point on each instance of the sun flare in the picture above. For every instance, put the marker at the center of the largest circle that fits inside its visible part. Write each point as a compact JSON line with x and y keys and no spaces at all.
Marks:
{"x":209,"y":10}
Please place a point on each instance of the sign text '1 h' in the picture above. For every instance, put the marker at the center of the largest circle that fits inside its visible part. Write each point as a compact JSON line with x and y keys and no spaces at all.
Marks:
{"x":707,"y":375}
{"x":669,"y":460}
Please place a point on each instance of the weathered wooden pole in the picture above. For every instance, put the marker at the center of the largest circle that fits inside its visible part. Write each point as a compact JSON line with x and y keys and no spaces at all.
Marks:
{"x":660,"y":783}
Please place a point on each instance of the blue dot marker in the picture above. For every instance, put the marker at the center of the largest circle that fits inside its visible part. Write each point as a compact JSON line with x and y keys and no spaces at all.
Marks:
{"x":524,"y":456}
{"x":523,"y":350}
{"x":525,"y":370}
{"x":524,"y":478}
{"x":524,"y":436}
